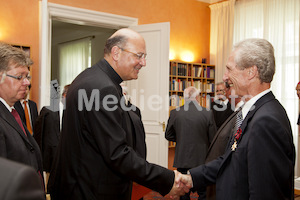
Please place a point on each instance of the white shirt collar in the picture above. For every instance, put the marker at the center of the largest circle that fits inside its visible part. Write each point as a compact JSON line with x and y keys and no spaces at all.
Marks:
{"x":225,"y":102}
{"x":248,"y":105}
{"x":238,"y":105}
{"x":6,"y":105}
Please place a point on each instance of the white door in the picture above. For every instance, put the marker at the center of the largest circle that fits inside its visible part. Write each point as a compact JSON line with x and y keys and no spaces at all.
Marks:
{"x":152,"y":86}
{"x":150,"y":92}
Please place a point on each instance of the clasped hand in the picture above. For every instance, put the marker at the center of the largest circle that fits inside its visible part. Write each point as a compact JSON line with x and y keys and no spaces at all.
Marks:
{"x":182,"y":184}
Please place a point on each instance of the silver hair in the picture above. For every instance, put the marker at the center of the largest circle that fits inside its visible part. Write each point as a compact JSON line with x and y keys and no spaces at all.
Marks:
{"x":258,"y":52}
{"x":190,"y":93}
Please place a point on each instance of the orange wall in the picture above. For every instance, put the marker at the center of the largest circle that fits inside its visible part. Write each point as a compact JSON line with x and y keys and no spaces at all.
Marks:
{"x":19,"y":25}
{"x":189,"y":19}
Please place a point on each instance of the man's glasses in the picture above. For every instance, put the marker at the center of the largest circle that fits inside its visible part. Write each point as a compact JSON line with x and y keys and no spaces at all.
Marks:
{"x":20,"y":78}
{"x":138,"y":55}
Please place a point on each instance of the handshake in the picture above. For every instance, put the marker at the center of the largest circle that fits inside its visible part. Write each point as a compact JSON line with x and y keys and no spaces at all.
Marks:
{"x":182,"y":184}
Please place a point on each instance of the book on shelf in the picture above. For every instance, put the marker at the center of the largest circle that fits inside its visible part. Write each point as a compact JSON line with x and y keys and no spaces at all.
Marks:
{"x":212,"y":73}
{"x":176,"y":101}
{"x":208,"y":72}
{"x":197,"y":71}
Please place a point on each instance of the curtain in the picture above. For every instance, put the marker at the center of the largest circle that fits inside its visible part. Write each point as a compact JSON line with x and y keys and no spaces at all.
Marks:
{"x":74,"y":57}
{"x":278,"y":22}
{"x":221,"y":35}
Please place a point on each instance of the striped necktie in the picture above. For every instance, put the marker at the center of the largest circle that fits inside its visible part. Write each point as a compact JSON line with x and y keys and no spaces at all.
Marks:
{"x":238,"y":122}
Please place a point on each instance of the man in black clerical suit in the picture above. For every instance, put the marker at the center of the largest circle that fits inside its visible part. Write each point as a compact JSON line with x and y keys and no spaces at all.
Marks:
{"x":192,"y":127}
{"x":260,"y":158}
{"x":32,"y":110}
{"x":97,"y":157}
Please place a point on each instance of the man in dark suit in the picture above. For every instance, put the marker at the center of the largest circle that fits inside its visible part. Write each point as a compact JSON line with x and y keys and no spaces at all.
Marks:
{"x":220,"y":141}
{"x":221,"y":106}
{"x":96,"y":157}
{"x":30,"y":107}
{"x":48,"y":125}
{"x":192,"y":127}
{"x":16,"y":143}
{"x":19,"y":182}
{"x":259,"y":161}
{"x":136,"y":118}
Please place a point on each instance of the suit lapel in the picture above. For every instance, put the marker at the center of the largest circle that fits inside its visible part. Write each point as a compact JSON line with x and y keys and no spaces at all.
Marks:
{"x":220,"y":130}
{"x":264,"y":99}
{"x":9,"y":118}
{"x":18,"y":106}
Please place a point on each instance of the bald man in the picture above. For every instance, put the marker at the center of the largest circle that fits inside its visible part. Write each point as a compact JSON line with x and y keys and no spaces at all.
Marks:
{"x":98,"y":156}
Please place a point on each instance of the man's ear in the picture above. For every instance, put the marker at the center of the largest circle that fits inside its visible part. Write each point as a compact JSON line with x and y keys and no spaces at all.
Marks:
{"x":2,"y":77}
{"x":115,"y":53}
{"x":252,"y":72}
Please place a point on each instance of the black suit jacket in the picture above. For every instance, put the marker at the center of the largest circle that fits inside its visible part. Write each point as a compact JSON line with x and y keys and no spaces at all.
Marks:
{"x":19,"y":182}
{"x":33,"y":112}
{"x":221,"y":138}
{"x":192,"y":127}
{"x":262,"y":165}
{"x":14,"y":145}
{"x":96,"y":157}
{"x":221,"y":112}
{"x":47,"y":133}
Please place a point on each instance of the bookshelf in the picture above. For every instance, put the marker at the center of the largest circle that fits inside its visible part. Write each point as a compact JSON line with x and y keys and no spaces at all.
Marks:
{"x":183,"y":75}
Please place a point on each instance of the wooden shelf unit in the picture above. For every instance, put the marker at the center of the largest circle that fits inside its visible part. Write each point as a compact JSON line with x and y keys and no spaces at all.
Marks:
{"x":183,"y":75}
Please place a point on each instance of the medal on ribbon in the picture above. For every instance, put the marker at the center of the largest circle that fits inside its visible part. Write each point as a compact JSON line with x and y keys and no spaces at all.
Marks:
{"x":237,"y":136}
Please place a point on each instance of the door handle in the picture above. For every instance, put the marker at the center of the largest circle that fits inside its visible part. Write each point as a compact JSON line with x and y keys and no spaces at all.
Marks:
{"x":163,"y":126}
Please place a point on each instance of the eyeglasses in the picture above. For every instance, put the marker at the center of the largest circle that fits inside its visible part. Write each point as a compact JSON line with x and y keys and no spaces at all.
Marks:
{"x":20,"y":78}
{"x":138,"y":55}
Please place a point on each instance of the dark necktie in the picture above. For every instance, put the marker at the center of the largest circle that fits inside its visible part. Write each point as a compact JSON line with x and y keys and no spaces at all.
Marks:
{"x":18,"y":119}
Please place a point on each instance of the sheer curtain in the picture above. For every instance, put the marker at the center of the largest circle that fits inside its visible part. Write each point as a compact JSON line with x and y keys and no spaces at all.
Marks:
{"x":221,"y":31}
{"x":278,"y":22}
{"x":74,"y":57}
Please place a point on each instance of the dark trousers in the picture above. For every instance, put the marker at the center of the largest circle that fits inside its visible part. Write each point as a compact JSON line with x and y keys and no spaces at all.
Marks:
{"x":201,"y":193}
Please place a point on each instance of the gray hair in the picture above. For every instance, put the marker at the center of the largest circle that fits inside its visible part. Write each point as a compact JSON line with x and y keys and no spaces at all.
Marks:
{"x":190,"y":93}
{"x":118,"y":40}
{"x":10,"y":55}
{"x":258,"y":52}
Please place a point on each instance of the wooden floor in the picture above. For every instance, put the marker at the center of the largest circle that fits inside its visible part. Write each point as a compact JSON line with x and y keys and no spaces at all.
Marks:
{"x":155,"y":195}
{"x":297,"y":194}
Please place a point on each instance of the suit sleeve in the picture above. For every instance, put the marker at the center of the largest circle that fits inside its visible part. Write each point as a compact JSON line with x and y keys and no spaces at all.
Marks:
{"x":170,"y":133}
{"x":117,"y":153}
{"x":205,"y":174}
